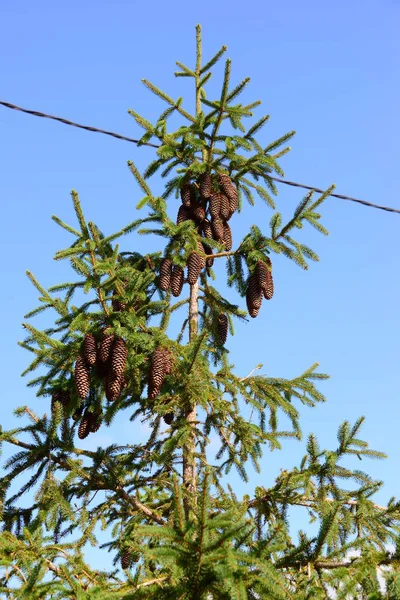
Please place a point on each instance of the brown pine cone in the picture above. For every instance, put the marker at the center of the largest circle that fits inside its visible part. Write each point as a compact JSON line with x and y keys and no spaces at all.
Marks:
{"x":118,"y":357}
{"x":195,"y":264}
{"x":214,"y":205}
{"x":222,"y":328}
{"x":82,"y":377}
{"x":168,"y":418}
{"x":209,"y":251}
{"x":113,"y":387}
{"x":84,"y":428}
{"x":261,"y":273}
{"x":184,"y":214}
{"x":218,"y":229}
{"x":198,"y":213}
{"x":165,"y":274}
{"x":116,"y":304}
{"x":205,"y":181}
{"x":61,"y":396}
{"x":89,"y":349}
{"x":207,"y":230}
{"x":224,"y":209}
{"x":186,"y":194}
{"x":167,"y":361}
{"x":156,"y":372}
{"x":106,"y":344}
{"x":126,"y":559}
{"x":227,"y":237}
{"x":253,"y":296}
{"x":269,"y":288}
{"x":95,"y":420}
{"x":177,"y":280}
{"x":228,"y":187}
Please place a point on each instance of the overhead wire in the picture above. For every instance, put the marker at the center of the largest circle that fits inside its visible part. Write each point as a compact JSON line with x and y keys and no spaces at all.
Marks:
{"x":118,"y":136}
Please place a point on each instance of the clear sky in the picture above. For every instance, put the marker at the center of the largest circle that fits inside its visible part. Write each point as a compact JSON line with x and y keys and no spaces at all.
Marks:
{"x":329,"y":70}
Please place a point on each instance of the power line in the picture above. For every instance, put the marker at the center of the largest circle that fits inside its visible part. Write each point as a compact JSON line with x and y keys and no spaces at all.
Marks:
{"x":118,"y":136}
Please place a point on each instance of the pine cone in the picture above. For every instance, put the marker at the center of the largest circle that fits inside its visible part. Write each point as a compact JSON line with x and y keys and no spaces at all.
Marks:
{"x":168,"y":418}
{"x":126,"y":559}
{"x":209,"y":260}
{"x":89,"y":349}
{"x":227,"y":237}
{"x":269,"y":288}
{"x":118,"y":357}
{"x":165,"y":274}
{"x":106,"y":344}
{"x":207,"y":230}
{"x":195,"y":264}
{"x":198,"y":213}
{"x":113,"y":387}
{"x":229,"y":189}
{"x":214,"y":205}
{"x":156,"y":372}
{"x":95,"y":420}
{"x":218,"y":229}
{"x":186,"y":194}
{"x":253,"y":296}
{"x":167,"y":361}
{"x":205,"y":181}
{"x":84,"y":428}
{"x":261,"y":273}
{"x":222,"y":328}
{"x":82,"y":377}
{"x":177,"y":280}
{"x":184,"y":214}
{"x":224,"y":209}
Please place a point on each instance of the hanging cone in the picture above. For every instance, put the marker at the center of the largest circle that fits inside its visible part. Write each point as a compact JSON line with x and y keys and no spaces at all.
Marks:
{"x":228,"y":187}
{"x":95,"y":420}
{"x":227,"y":237}
{"x":198,"y":213}
{"x":106,"y":344}
{"x":222,"y":328}
{"x":261,"y":273}
{"x":209,"y":260}
{"x":177,"y":280}
{"x":84,"y":428}
{"x":184,"y":214}
{"x":165,"y":274}
{"x":167,"y":361}
{"x":205,"y":181}
{"x":156,"y":372}
{"x":218,"y":229}
{"x":195,"y":264}
{"x":82,"y":377}
{"x":168,"y":418}
{"x":224,"y":209}
{"x":186,"y":194}
{"x":89,"y":349}
{"x":269,"y":288}
{"x":113,"y":387}
{"x":207,"y":230}
{"x":126,"y":560}
{"x":118,"y":357}
{"x":253,"y":296}
{"x":214,"y":205}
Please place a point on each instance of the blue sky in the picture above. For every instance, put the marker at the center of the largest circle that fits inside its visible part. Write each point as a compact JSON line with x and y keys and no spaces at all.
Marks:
{"x":327,"y":70}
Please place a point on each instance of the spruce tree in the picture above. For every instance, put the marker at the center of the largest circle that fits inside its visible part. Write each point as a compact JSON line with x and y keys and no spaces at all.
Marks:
{"x":175,"y":530}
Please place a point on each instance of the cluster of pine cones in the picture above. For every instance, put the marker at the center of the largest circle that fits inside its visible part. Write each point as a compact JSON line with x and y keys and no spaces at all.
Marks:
{"x":210,"y":209}
{"x":90,"y":421}
{"x":160,"y":366}
{"x":260,"y":283}
{"x":127,"y":558}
